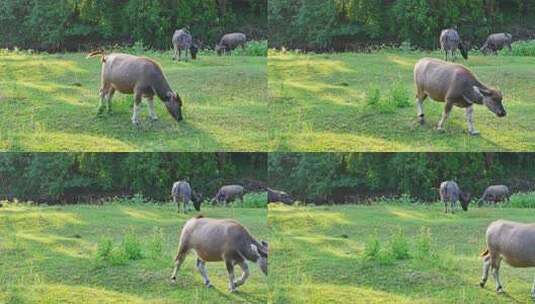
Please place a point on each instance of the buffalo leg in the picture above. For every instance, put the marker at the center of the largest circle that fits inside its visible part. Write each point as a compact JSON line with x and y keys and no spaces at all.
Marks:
{"x":495,"y":262}
{"x":180,"y":257}
{"x":245,"y":274}
{"x":108,"y":99}
{"x":486,"y":267}
{"x":152,"y":112}
{"x":177,"y":203}
{"x":176,"y":52}
{"x":103,"y":93}
{"x":137,"y":104}
{"x":420,"y":98}
{"x":470,"y":120}
{"x":445,"y":206}
{"x":201,"y":265}
{"x":230,"y":269}
{"x":445,"y":115}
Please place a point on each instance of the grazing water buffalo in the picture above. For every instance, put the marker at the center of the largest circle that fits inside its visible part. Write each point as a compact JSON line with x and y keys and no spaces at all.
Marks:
{"x":451,"y":193}
{"x":216,"y":240}
{"x":495,"y":194}
{"x":229,"y":193}
{"x":229,"y":42}
{"x":182,"y":193}
{"x":450,"y":42}
{"x":455,"y":85}
{"x":139,"y":76}
{"x":514,"y":242}
{"x":182,"y":42}
{"x":496,"y":42}
{"x":275,"y":196}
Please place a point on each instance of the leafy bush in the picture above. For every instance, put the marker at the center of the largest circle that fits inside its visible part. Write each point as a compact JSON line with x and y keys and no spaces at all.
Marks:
{"x":399,"y":246}
{"x":253,"y":200}
{"x":254,"y":48}
{"x":104,"y":249}
{"x":372,"y":248}
{"x":521,"y":200}
{"x":156,"y":243}
{"x":523,"y":48}
{"x":131,"y":246}
{"x":423,"y":244}
{"x":398,"y":97}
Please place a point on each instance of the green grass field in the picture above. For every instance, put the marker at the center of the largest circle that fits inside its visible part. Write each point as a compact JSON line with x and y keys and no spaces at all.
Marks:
{"x":320,"y":104}
{"x":317,"y":256}
{"x":49,"y":103}
{"x":48,"y":255}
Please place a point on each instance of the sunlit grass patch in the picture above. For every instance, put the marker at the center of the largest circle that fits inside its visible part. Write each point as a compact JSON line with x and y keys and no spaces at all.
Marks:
{"x":387,"y":253}
{"x":366,"y":102}
{"x":112,"y":254}
{"x":49,"y":103}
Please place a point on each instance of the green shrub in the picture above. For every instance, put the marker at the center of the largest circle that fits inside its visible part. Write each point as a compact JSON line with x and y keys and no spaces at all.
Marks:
{"x":399,"y":95}
{"x":423,"y":244}
{"x":156,"y":243}
{"x":373,"y":95}
{"x":521,"y":48}
{"x":399,"y":246}
{"x":372,"y":248}
{"x":131,"y":246}
{"x":253,"y":200}
{"x":521,"y":200}
{"x":104,"y":249}
{"x":253,"y":48}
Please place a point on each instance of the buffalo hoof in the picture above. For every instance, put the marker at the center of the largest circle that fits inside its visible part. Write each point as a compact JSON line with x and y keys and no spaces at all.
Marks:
{"x":208,"y":285}
{"x":474,"y":133}
{"x":441,"y":130}
{"x":500,"y":290}
{"x":421,"y":121}
{"x":173,"y":280}
{"x":482,"y":284}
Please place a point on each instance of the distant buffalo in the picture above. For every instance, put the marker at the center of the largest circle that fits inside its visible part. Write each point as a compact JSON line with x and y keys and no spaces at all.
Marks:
{"x":495,"y":194}
{"x":183,"y":42}
{"x":228,"y":194}
{"x":455,"y":85}
{"x":229,"y":42}
{"x":497,"y":42}
{"x":275,"y":196}
{"x":450,"y":194}
{"x":450,"y":42}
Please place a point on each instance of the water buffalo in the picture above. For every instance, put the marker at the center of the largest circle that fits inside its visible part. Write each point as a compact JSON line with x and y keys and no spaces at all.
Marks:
{"x":451,"y":193}
{"x":514,"y":242}
{"x":496,"y":42}
{"x":495,"y":194}
{"x":183,"y":42}
{"x":450,"y":42}
{"x":229,"y":193}
{"x":182,"y":193}
{"x":275,"y":196}
{"x":229,"y":42}
{"x":216,"y":240}
{"x":139,"y":76}
{"x":455,"y":85}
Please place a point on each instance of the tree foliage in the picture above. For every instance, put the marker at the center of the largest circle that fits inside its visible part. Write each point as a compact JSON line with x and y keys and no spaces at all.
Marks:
{"x":337,"y":177}
{"x":73,"y":24}
{"x":354,"y":24}
{"x":73,"y":177}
